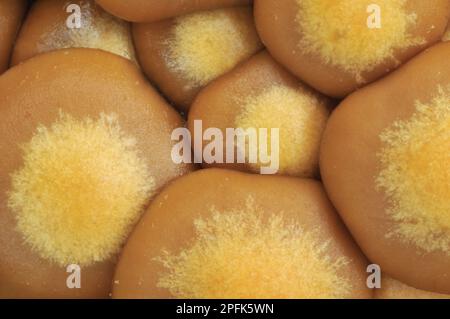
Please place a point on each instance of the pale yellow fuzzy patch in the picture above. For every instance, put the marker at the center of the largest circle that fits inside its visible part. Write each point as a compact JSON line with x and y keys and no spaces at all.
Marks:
{"x":81,"y":188}
{"x":337,"y":32}
{"x":241,"y":254}
{"x":301,"y":117}
{"x":207,"y":44}
{"x":99,"y":30}
{"x":415,"y":174}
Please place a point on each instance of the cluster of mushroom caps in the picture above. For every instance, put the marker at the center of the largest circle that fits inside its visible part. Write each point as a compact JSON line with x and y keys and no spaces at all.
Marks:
{"x":87,"y":178}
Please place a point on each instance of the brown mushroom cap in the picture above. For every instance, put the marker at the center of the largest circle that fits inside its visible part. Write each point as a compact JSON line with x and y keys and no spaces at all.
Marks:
{"x":11,"y":13}
{"x":218,"y":213}
{"x":260,"y":93}
{"x":84,"y":84}
{"x":184,"y":54}
{"x":328,"y":44}
{"x":155,"y":10}
{"x":383,"y":162}
{"x":45,"y":30}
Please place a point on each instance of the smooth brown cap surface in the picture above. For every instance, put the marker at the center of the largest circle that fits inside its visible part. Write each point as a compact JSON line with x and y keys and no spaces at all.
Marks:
{"x":278,"y":26}
{"x":223,"y":102}
{"x":155,"y":10}
{"x":183,"y":55}
{"x":11,"y":14}
{"x":350,"y":166}
{"x":81,"y":83}
{"x":169,"y":225}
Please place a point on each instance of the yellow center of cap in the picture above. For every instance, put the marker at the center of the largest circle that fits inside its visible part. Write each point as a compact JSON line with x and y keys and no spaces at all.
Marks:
{"x":241,"y":254}
{"x":415,"y":174}
{"x":80,"y":190}
{"x":338,"y":32}
{"x":301,"y":119}
{"x":207,"y":44}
